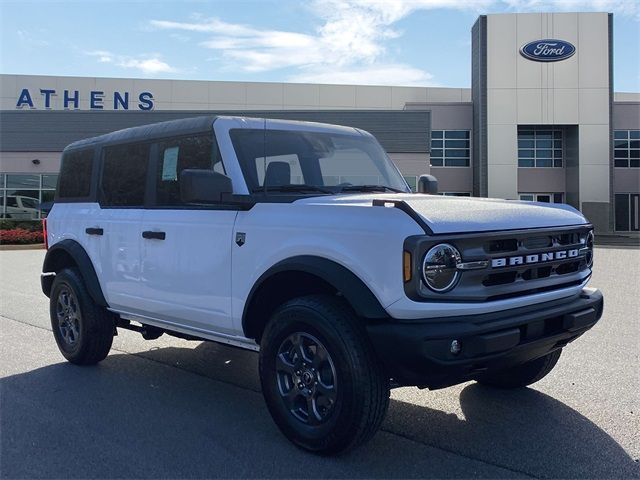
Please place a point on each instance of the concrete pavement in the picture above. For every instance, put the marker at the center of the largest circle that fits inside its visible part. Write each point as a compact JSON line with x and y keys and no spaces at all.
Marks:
{"x":172,"y":408}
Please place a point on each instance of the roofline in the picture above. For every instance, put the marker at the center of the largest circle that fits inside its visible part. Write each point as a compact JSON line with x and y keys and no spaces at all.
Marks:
{"x":183,"y":126}
{"x":193,"y":125}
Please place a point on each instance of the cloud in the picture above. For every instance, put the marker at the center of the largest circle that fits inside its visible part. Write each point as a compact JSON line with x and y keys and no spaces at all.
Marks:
{"x":629,"y":8}
{"x":347,"y":46}
{"x":180,"y":37}
{"x":148,"y":64}
{"x":377,"y":74}
{"x":27,"y":38}
{"x":349,"y":42}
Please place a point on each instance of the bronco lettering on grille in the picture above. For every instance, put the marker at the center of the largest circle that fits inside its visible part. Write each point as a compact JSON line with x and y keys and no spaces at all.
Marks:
{"x":534,"y":258}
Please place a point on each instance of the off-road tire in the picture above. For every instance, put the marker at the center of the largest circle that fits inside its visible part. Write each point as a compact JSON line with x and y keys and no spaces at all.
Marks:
{"x":362,"y":386}
{"x":522,"y":375}
{"x":95,"y":326}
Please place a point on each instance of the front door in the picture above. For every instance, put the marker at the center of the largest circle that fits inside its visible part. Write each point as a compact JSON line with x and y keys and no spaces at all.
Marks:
{"x":186,"y":251}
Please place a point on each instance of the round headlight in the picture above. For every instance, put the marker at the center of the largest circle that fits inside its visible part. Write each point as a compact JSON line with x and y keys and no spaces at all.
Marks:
{"x":589,"y":244}
{"x":440,"y":267}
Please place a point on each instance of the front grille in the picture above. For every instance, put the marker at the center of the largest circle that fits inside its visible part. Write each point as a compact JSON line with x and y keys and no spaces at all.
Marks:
{"x":501,"y":278}
{"x":537,"y":242}
{"x":500,"y":246}
{"x":519,"y":263}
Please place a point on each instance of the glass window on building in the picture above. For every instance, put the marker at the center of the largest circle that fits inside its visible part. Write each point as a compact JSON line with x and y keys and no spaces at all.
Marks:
{"x":450,"y":148}
{"x":627,"y":206}
{"x":49,"y":181}
{"x":455,"y":194}
{"x":539,"y":147}
{"x":22,"y":194}
{"x":48,"y":191}
{"x":412,"y":181}
{"x":542,"y":197}
{"x":626,"y":148}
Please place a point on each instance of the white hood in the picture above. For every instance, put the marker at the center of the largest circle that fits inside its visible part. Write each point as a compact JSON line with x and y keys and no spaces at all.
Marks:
{"x":467,"y":214}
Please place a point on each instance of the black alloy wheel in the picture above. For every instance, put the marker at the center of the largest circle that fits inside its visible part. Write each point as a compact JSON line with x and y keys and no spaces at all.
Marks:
{"x":306,"y":378}
{"x":68,"y":315}
{"x":83,"y":329}
{"x":324,"y":386}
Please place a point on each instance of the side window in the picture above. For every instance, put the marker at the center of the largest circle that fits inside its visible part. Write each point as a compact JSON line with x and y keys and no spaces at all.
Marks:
{"x":75,"y":174}
{"x":178,"y":154}
{"x":124,"y":173}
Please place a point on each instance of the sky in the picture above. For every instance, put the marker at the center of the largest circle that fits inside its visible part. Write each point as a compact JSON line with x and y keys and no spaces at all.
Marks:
{"x":378,"y":42}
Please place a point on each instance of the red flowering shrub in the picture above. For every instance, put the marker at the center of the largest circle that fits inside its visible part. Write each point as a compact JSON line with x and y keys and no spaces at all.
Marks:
{"x":20,"y":236}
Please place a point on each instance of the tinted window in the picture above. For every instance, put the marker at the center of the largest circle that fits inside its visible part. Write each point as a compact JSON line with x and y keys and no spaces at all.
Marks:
{"x":75,"y":174}
{"x":179,"y":154}
{"x":124,"y":175}
{"x":626,"y":151}
{"x":539,"y":148}
{"x":454,"y":151}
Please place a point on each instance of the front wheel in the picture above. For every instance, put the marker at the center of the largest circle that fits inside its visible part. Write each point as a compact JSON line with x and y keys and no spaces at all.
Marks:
{"x":321,"y":380}
{"x":522,"y":375}
{"x":83,"y":330}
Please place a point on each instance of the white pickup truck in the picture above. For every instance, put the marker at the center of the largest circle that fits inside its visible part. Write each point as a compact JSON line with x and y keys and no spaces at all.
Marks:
{"x":302,"y":241}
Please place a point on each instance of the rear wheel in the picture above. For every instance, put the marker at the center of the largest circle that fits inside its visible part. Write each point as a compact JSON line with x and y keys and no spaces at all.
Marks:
{"x":83,"y":330}
{"x":522,"y":375}
{"x":321,"y":380}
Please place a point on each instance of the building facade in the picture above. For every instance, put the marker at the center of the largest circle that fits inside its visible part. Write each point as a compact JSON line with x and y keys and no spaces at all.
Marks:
{"x":540,"y":122}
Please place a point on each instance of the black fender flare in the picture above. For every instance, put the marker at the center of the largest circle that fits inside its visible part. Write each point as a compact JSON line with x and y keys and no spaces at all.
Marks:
{"x":72,"y":249}
{"x":352,"y":288}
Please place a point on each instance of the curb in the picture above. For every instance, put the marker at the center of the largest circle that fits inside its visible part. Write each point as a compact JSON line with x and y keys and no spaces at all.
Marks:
{"x":617,"y":241}
{"x":33,"y":246}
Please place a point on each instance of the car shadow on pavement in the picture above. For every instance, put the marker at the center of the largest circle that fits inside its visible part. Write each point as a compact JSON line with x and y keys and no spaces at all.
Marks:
{"x":129,"y":417}
{"x":523,"y":430}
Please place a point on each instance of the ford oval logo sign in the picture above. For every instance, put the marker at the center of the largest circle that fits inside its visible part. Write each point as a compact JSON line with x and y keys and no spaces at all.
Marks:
{"x":547,"y":50}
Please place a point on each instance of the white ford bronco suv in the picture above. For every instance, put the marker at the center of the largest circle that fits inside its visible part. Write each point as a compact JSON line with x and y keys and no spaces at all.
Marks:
{"x":302,"y":241}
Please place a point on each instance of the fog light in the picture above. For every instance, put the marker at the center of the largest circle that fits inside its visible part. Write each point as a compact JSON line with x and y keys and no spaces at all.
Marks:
{"x":455,"y":348}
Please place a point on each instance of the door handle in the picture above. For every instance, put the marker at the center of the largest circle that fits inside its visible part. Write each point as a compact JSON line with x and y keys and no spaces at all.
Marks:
{"x":94,"y":231}
{"x":148,"y":234}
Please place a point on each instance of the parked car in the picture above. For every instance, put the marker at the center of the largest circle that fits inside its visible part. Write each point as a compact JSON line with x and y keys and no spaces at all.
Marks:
{"x":20,"y":207}
{"x":302,"y":241}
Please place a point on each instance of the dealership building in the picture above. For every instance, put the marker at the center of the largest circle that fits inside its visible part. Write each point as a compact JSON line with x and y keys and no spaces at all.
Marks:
{"x":540,"y":122}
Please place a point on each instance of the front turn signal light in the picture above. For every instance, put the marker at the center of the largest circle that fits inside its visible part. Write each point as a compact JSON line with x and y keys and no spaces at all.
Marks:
{"x":406,"y":266}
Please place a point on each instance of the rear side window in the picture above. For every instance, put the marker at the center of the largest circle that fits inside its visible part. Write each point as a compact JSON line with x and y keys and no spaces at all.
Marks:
{"x":124,"y":173}
{"x":175,"y":155}
{"x":75,"y":174}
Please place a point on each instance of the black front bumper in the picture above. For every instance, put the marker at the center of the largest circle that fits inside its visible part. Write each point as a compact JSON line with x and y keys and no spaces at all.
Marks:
{"x":417,"y":352}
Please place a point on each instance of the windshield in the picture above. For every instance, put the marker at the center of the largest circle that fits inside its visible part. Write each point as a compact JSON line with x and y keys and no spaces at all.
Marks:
{"x":312,"y":162}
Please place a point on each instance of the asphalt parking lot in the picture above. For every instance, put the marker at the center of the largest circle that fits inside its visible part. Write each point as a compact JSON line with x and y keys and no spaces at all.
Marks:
{"x":172,"y":408}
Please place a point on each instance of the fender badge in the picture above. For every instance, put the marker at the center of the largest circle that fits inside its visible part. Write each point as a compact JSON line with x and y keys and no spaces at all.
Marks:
{"x":240,"y":238}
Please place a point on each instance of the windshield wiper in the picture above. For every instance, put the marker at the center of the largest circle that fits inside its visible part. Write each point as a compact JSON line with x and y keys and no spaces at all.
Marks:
{"x":292,"y":188}
{"x":370,"y":188}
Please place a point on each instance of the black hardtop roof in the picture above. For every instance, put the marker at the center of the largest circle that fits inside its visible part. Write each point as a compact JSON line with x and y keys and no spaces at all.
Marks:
{"x":183,"y":126}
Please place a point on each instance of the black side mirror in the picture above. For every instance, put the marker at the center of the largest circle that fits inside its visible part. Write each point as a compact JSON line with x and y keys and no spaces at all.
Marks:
{"x":428,"y":184}
{"x":203,"y":186}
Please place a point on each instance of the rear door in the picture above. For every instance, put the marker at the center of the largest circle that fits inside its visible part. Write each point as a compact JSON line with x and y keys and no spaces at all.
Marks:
{"x":186,"y":250}
{"x":117,"y":224}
